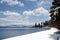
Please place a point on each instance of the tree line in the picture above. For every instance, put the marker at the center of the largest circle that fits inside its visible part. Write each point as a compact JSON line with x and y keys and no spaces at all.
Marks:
{"x":55,"y":14}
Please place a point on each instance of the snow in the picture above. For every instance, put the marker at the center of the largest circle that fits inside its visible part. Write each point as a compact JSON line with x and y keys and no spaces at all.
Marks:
{"x":42,"y":35}
{"x":57,"y":8}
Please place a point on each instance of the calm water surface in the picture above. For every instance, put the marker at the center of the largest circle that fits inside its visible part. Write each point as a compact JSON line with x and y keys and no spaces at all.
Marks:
{"x":12,"y":32}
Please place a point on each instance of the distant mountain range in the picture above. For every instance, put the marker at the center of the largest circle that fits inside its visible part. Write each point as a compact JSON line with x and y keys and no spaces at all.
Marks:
{"x":16,"y":26}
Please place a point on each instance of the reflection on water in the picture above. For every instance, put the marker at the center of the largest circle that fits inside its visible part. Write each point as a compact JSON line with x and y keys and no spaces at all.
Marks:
{"x":12,"y":32}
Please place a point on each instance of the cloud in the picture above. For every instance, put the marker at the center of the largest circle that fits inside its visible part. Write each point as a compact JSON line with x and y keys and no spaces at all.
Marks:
{"x":28,"y":13}
{"x":14,"y":22}
{"x":10,"y":13}
{"x":41,"y":11}
{"x":27,"y":18}
{"x":37,"y":12}
{"x":31,"y":0}
{"x":43,"y":3}
{"x":14,"y":18}
{"x":12,"y":2}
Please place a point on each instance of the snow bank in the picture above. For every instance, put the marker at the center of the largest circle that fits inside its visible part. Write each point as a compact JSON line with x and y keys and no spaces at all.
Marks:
{"x":43,"y":35}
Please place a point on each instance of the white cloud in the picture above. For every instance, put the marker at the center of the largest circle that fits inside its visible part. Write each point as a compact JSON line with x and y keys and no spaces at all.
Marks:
{"x":37,"y":12}
{"x":41,"y":11}
{"x":12,"y":2}
{"x":28,"y":13}
{"x":31,"y":0}
{"x":14,"y":18}
{"x":15,"y":22}
{"x":43,"y":3}
{"x":11,"y":13}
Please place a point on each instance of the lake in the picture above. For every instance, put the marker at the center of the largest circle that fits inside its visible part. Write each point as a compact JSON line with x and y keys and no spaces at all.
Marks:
{"x":12,"y":32}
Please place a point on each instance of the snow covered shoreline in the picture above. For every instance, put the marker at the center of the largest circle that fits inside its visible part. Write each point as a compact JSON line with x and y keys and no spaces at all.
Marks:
{"x":43,"y":35}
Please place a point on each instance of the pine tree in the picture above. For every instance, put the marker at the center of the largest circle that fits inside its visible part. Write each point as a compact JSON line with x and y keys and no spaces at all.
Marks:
{"x":55,"y":14}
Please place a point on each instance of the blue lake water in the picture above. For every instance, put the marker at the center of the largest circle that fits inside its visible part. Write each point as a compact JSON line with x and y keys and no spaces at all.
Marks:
{"x":12,"y":32}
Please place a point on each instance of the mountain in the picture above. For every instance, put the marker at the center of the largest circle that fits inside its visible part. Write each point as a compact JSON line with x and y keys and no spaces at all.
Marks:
{"x":16,"y":26}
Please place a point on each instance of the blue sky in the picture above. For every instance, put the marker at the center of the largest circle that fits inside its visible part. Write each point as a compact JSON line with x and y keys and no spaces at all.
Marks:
{"x":24,"y":12}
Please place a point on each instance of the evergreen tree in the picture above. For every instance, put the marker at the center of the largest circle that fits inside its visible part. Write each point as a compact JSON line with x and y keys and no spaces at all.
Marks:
{"x":46,"y":23}
{"x":55,"y":14}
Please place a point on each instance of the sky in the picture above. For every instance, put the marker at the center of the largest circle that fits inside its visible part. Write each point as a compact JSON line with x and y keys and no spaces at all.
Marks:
{"x":24,"y":12}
